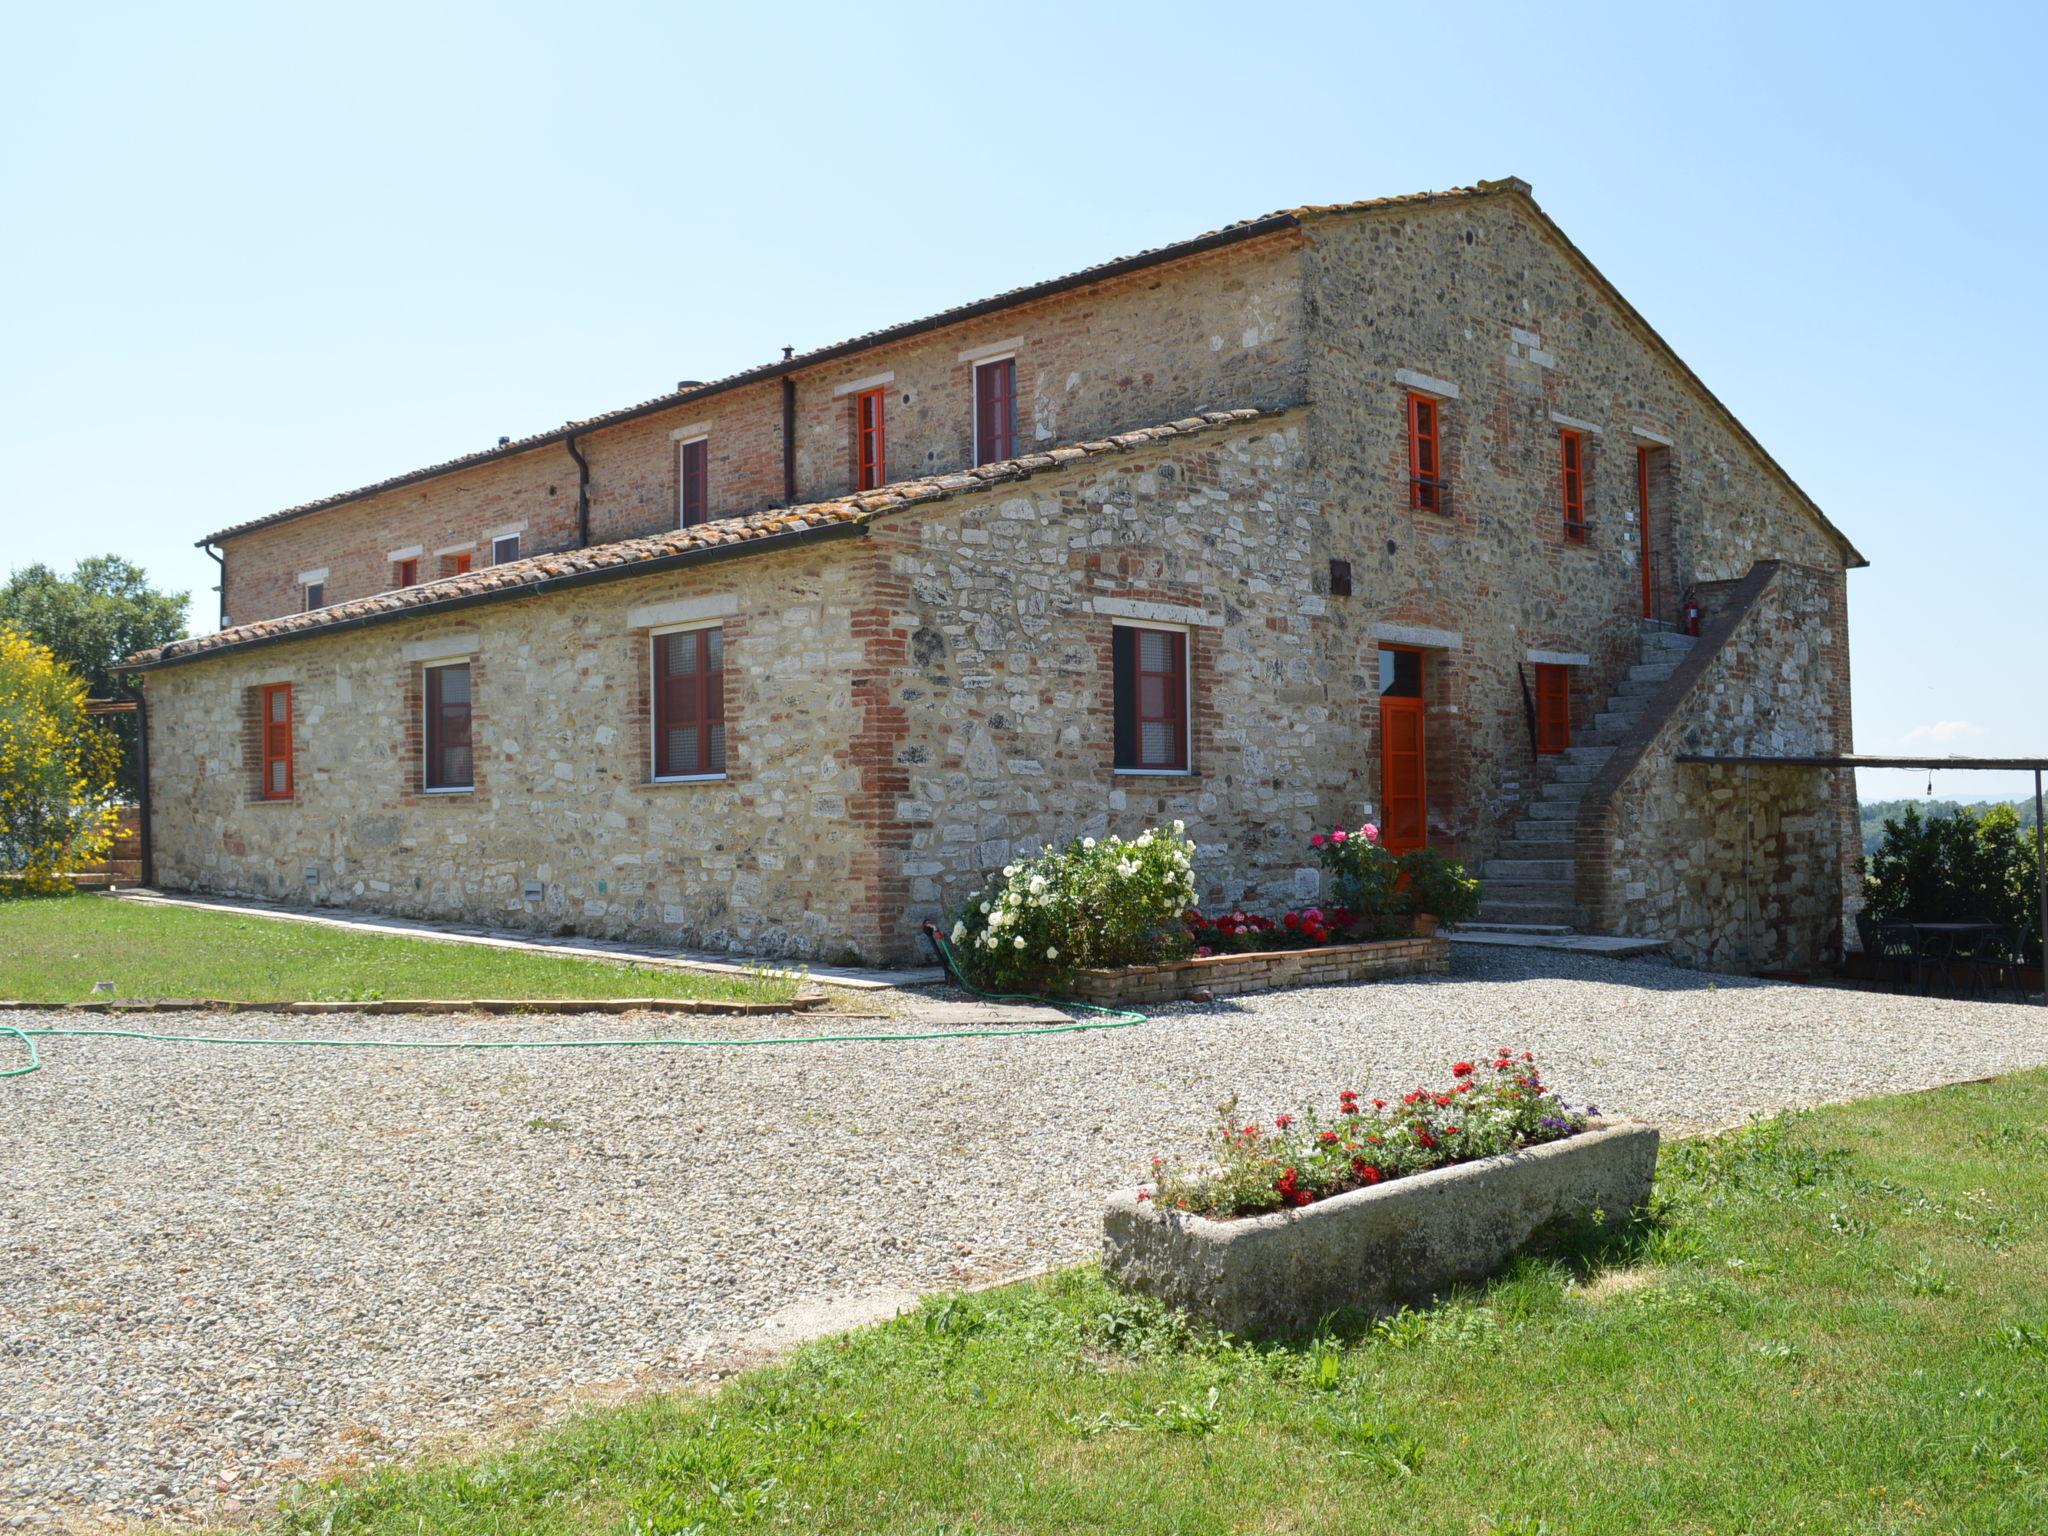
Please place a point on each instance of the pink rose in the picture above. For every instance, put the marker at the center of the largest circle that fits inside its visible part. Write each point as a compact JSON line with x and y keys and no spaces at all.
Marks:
{"x":1317,"y":841}
{"x":1340,"y":836}
{"x":1203,"y":952}
{"x":1369,"y":832}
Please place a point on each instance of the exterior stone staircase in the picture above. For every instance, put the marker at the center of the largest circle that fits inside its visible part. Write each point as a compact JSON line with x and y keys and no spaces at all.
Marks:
{"x":1531,"y":889}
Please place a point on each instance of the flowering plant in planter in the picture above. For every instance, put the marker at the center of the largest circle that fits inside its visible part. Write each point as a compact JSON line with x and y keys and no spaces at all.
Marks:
{"x":1485,"y":1110}
{"x":1095,"y":902}
{"x":1243,"y":933}
{"x":1366,"y":876}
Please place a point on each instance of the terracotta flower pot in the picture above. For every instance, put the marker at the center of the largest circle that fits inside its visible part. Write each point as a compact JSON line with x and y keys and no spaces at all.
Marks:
{"x":1425,"y":924}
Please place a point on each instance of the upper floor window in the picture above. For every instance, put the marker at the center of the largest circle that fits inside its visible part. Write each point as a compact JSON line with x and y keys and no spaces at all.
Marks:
{"x":316,"y":595}
{"x":460,"y":562}
{"x":277,"y":741}
{"x":1572,"y":449}
{"x":694,"y":474}
{"x":689,"y":703}
{"x":504,"y":549}
{"x":1151,"y":698}
{"x":449,"y":764}
{"x":870,"y":447}
{"x":1425,"y":455}
{"x":995,"y":410}
{"x":405,"y":573}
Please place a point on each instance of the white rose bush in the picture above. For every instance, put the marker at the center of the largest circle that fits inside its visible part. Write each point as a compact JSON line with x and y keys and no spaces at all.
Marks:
{"x":1096,"y":902}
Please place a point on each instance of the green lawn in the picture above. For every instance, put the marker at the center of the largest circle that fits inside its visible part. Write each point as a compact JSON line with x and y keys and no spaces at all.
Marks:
{"x":52,"y":949}
{"x":1835,"y":1322}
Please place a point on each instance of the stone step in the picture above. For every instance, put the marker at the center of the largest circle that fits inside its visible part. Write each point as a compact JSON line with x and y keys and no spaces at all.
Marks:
{"x":1527,"y":834}
{"x":1562,"y":912}
{"x":1514,"y":871}
{"x":1669,"y":640}
{"x":1635,"y":693}
{"x":1564,"y":789}
{"x":1611,"y":945}
{"x":1563,"y":770}
{"x":1552,"y":810}
{"x":1652,"y":671}
{"x":1616,"y":719}
{"x":1583,"y":753}
{"x":1521,"y":887}
{"x":1532,"y":929}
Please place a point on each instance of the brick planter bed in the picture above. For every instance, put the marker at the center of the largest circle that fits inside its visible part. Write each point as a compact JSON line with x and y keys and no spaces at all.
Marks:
{"x":1395,"y":1244}
{"x":1264,"y":971}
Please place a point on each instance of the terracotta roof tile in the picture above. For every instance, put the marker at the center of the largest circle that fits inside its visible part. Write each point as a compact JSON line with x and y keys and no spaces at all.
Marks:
{"x":1243,"y":229}
{"x":532,"y":575}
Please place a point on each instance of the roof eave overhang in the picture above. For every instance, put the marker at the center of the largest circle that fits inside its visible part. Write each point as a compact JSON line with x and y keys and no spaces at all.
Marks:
{"x":541,"y":587}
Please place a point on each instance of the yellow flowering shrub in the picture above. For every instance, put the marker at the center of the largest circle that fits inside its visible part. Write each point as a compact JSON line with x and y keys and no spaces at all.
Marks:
{"x":57,"y":768}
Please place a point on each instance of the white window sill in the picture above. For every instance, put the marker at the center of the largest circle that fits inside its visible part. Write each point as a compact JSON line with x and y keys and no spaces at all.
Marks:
{"x":450,"y":789}
{"x":1155,"y":773}
{"x":683,"y":778}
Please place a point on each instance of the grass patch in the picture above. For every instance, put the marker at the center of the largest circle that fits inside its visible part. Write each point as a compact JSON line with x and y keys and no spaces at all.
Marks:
{"x":1834,"y":1321}
{"x":53,"y":949}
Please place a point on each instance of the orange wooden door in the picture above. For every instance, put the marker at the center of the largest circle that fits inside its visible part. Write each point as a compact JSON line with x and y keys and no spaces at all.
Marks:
{"x":1643,"y":529}
{"x":1553,"y":707}
{"x":1404,"y":814}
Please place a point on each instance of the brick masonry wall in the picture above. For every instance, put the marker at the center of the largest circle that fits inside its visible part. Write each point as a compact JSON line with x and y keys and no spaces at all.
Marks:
{"x":1236,"y":975}
{"x":1740,"y":868}
{"x":1479,"y":296}
{"x":1215,"y":331}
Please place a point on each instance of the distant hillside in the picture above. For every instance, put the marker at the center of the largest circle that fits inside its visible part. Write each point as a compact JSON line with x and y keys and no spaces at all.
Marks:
{"x":1875,"y":812}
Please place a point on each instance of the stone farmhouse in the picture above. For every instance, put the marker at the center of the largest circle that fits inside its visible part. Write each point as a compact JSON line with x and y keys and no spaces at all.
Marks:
{"x":1384,"y":508}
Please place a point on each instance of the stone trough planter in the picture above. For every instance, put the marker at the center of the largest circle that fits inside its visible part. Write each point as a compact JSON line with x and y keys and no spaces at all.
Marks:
{"x":1402,"y":1242}
{"x":1263,"y":971}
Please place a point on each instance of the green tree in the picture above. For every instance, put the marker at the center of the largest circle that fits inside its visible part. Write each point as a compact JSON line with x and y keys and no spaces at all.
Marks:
{"x":104,"y":610}
{"x":56,"y":767}
{"x":1974,"y":863}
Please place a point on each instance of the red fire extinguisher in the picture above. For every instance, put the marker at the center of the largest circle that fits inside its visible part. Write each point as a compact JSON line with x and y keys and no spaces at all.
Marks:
{"x":1691,"y":620}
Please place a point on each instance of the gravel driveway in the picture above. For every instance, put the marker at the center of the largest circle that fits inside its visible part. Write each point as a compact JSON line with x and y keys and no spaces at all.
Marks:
{"x":221,"y":1268}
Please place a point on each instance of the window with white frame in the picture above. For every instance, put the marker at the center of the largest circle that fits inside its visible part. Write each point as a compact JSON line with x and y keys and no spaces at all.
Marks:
{"x":1152,"y":696}
{"x":504,"y":549}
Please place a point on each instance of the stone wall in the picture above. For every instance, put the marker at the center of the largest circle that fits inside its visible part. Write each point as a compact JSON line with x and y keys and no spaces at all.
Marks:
{"x":904,"y":711}
{"x":1215,"y":331}
{"x":999,"y":663}
{"x":1481,"y":298}
{"x":763,"y":861}
{"x":1740,"y":868}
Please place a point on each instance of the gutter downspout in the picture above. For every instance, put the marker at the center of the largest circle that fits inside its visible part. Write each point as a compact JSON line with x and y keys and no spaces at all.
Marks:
{"x":788,"y":438}
{"x":220,"y":560}
{"x":582,"y":492}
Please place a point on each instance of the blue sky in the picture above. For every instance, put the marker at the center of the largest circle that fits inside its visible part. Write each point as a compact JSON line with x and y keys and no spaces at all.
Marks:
{"x":254,"y":255}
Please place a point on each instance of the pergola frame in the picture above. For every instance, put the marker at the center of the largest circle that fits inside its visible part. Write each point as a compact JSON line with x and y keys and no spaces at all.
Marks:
{"x":2035,"y":765}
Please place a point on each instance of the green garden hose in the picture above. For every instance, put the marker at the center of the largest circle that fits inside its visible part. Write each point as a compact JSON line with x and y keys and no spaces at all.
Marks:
{"x":1113,"y":1018}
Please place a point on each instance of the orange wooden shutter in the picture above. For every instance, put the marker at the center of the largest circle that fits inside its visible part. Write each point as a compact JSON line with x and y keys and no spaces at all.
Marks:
{"x":277,"y":741}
